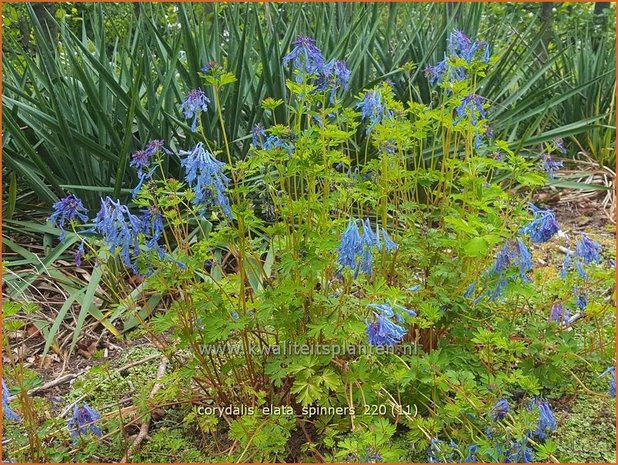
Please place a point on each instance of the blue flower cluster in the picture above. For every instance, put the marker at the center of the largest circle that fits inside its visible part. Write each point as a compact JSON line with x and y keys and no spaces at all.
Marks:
{"x":9,"y":414}
{"x":373,"y":109}
{"x":547,"y":422}
{"x":586,"y":252}
{"x":355,"y":251}
{"x":194,"y":104}
{"x":308,"y":61}
{"x":500,"y":410}
{"x":121,"y":229}
{"x":559,"y":314}
{"x":513,"y":253}
{"x":84,"y":421}
{"x":459,"y":47}
{"x":204,"y":173}
{"x":550,"y":165}
{"x":334,"y":75}
{"x":68,"y":210}
{"x":382,"y":331}
{"x":141,"y":161}
{"x":542,"y":227}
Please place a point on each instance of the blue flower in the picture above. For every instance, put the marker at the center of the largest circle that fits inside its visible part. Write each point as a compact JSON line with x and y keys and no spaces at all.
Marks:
{"x":550,"y":165}
{"x":471,"y":106}
{"x":258,"y":135}
{"x":547,"y":421}
{"x":141,"y":161}
{"x":542,"y":227}
{"x":500,"y":410}
{"x":559,"y":314}
{"x":580,"y":299}
{"x":204,"y":173}
{"x":306,"y":57}
{"x":351,"y":246}
{"x":120,"y":230}
{"x":389,"y":244}
{"x":461,"y":46}
{"x":382,"y":331}
{"x":372,"y":108}
{"x":519,"y":452}
{"x":559,"y":144}
{"x":436,"y":73}
{"x":470,"y":289}
{"x":83,"y":422}
{"x":9,"y":414}
{"x":334,"y":75}
{"x":566,"y":264}
{"x":195,"y":102}
{"x":152,"y":228}
{"x":588,"y":250}
{"x":67,"y":210}
{"x":79,"y":254}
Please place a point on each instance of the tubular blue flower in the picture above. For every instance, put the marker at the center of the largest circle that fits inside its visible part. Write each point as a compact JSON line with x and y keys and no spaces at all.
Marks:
{"x":559,"y":144}
{"x":79,"y":254}
{"x":382,"y":331}
{"x":120,"y":230}
{"x":588,"y":250}
{"x":550,"y":165}
{"x":306,"y":57}
{"x":334,"y":75}
{"x":523,"y":260}
{"x":195,"y":103}
{"x":372,"y":108}
{"x":83,"y":422}
{"x":258,"y":135}
{"x":470,"y":289}
{"x":141,"y":159}
{"x":389,"y":244}
{"x":204,"y":173}
{"x":9,"y":414}
{"x":559,"y":314}
{"x":500,"y":410}
{"x":566,"y":264}
{"x":542,"y":227}
{"x":66,"y":210}
{"x":370,"y":239}
{"x":520,"y":452}
{"x":152,"y":228}
{"x":351,"y":246}
{"x":547,"y":421}
{"x":459,"y":45}
{"x":471,"y":106}
{"x":503,"y":259}
{"x":580,"y":299}
{"x":436,"y":73}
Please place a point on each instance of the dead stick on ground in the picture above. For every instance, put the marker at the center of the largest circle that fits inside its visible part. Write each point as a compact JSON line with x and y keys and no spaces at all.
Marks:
{"x":143,"y":431}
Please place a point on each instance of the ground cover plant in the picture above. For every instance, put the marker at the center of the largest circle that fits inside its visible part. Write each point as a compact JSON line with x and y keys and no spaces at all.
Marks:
{"x":355,"y":279}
